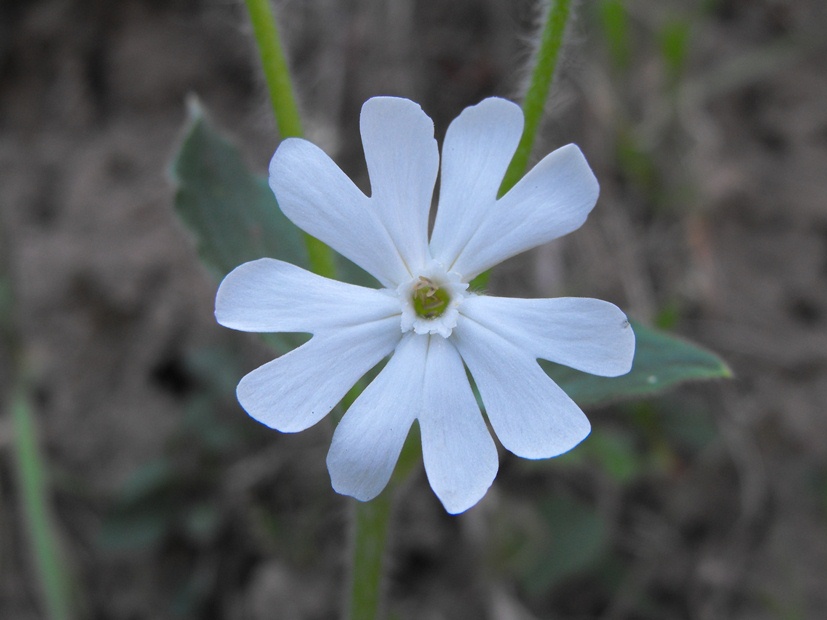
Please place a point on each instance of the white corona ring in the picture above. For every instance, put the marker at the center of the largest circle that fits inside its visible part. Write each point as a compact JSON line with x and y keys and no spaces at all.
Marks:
{"x":431,"y":317}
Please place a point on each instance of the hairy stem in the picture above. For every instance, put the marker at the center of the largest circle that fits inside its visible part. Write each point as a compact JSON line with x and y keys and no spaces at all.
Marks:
{"x":534,"y":102}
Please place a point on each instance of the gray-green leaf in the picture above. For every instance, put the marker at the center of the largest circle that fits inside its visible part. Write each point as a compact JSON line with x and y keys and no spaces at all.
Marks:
{"x":661,"y":361}
{"x":232,"y":213}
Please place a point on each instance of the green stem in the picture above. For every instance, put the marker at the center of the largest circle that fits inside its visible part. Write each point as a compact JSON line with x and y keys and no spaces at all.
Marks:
{"x":534,"y":103}
{"x":285,"y":110}
{"x":370,"y":532}
{"x":370,"y":520}
{"x":370,"y":523}
{"x":31,"y":466}
{"x":275,"y":68}
{"x":34,"y":489}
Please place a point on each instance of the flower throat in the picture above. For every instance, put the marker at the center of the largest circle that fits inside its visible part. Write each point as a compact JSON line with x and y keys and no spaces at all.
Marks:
{"x":429,"y":301}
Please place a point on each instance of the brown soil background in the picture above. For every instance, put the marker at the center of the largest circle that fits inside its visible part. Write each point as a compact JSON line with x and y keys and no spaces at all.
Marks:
{"x":718,"y":220}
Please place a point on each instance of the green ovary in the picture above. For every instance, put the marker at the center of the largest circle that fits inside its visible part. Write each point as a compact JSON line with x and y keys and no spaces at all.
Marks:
{"x":429,"y":301}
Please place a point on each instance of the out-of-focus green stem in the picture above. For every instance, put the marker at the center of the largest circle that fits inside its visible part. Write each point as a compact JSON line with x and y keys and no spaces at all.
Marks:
{"x":30,"y":463}
{"x":534,"y":102}
{"x":279,"y":85}
{"x":34,"y":491}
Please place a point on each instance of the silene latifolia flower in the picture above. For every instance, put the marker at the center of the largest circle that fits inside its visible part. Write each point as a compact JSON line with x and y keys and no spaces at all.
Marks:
{"x":425,"y":317}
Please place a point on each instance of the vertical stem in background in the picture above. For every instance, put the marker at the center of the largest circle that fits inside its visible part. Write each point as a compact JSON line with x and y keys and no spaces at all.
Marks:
{"x":369,"y":519}
{"x":30,"y":464}
{"x":279,"y":85}
{"x":34,"y":491}
{"x":275,"y":68}
{"x":370,"y":533}
{"x":534,"y":103}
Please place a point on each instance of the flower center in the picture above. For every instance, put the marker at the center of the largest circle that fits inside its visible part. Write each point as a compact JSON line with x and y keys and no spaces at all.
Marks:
{"x":429,"y":301}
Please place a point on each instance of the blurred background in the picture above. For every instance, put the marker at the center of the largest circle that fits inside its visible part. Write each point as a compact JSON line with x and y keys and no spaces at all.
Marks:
{"x":706,"y":124}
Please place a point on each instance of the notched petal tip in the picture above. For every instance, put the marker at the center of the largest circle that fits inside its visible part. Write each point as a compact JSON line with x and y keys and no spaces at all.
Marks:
{"x":583,"y":430}
{"x":494,"y":108}
{"x":623,"y":344}
{"x":357,"y":474}
{"x":627,"y":342}
{"x":250,"y":399}
{"x":571,"y":156}
{"x":287,"y":149}
{"x":361,"y":491}
{"x":389,"y":103}
{"x":574,"y":436}
{"x":381,"y":113}
{"x":458,"y":502}
{"x":229,"y":295}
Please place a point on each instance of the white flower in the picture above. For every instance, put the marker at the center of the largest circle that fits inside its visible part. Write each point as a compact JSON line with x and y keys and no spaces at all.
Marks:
{"x":425,"y":318}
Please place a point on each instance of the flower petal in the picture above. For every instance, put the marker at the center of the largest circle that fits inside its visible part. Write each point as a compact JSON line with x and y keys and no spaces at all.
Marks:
{"x":478,"y":147}
{"x":369,"y":438}
{"x":269,"y":295}
{"x":298,"y":389}
{"x":531,"y":415}
{"x":460,"y":456}
{"x":403,"y":162}
{"x":587,"y":334}
{"x":321,"y":200}
{"x":553,"y":199}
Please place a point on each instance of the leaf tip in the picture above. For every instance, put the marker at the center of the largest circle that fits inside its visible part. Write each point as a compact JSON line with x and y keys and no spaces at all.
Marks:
{"x":726,"y":370}
{"x":195,"y":111}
